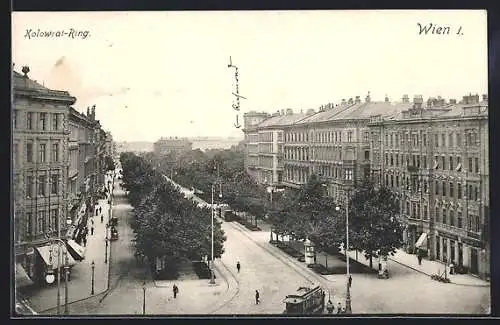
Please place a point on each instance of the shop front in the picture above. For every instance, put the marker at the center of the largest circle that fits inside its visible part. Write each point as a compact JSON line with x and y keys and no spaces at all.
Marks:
{"x":51,"y":258}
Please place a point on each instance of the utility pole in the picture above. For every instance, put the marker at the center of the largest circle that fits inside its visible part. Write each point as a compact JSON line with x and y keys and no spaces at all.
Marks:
{"x":212,"y":279}
{"x":348,"y":294}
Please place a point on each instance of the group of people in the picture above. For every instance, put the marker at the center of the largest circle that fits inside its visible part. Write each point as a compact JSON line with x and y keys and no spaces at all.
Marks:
{"x":330,"y":308}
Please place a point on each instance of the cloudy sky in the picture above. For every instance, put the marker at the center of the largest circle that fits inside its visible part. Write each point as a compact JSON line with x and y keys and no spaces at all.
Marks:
{"x":153,"y":74}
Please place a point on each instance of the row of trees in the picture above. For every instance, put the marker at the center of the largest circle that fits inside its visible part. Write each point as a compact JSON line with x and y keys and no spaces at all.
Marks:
{"x":167,"y":227}
{"x":311,"y":214}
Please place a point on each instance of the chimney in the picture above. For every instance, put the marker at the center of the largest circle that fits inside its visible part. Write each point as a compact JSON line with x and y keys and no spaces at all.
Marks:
{"x":386,"y":98}
{"x":367,"y":98}
{"x":453,"y":101}
{"x":343,"y":101}
{"x":405,"y":98}
{"x":417,"y":101}
{"x":485,"y":97}
{"x":358,"y":100}
{"x":475,"y":99}
{"x":289,"y":111}
{"x":350,"y":101}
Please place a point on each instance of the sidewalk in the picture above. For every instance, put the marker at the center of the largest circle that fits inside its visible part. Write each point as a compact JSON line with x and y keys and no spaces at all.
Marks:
{"x":80,"y":286}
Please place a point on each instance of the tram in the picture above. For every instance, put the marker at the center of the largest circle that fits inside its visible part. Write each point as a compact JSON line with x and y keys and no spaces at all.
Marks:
{"x":305,"y":301}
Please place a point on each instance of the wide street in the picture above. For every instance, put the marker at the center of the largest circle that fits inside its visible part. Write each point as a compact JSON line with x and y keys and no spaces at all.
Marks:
{"x":274,"y":274}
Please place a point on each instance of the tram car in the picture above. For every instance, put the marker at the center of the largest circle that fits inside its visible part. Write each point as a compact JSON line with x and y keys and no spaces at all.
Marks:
{"x":305,"y":301}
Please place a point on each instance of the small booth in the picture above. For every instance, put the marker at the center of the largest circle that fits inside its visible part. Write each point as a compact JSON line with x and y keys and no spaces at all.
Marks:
{"x":309,"y":252}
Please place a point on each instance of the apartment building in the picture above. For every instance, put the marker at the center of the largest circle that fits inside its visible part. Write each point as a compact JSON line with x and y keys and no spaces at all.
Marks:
{"x":251,"y":121}
{"x":175,"y":145}
{"x":40,"y":161}
{"x":434,"y":155}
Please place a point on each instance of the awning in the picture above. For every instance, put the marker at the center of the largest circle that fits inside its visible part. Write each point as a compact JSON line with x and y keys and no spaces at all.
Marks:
{"x":44,"y":252}
{"x":76,"y":251}
{"x":422,"y":241}
{"x":22,"y":278}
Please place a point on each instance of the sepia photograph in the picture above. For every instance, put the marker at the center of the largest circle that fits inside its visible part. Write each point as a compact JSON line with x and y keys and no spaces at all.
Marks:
{"x":215,"y":163}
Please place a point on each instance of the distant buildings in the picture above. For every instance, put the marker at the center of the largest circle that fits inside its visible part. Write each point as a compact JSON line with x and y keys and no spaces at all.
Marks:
{"x":165,"y":146}
{"x":54,"y":154}
{"x":433,"y":154}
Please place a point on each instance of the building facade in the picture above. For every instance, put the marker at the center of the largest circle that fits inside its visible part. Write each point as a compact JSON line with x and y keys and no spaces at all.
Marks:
{"x":40,"y":152}
{"x":435,"y":156}
{"x":172,"y":145}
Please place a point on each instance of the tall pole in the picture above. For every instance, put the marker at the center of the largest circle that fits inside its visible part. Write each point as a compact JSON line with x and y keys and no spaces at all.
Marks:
{"x":66,"y":275}
{"x":93,"y":270}
{"x":212,"y":280}
{"x":348,"y":294}
{"x":59,"y":268}
{"x":144,"y":298}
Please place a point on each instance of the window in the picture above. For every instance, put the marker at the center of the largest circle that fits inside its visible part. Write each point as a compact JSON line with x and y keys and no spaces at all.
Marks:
{"x":40,"y":222}
{"x":392,"y":181}
{"x":54,"y":216}
{"x":386,"y":140}
{"x":451,"y":190}
{"x":459,"y":219}
{"x":470,"y":165}
{"x":42,"y":180}
{"x":459,"y":140}
{"x":425,"y":212}
{"x":15,"y":154}
{"x":469,"y":192}
{"x":54,"y":186}
{"x":424,"y":161}
{"x":366,"y":136}
{"x":476,"y":193}
{"x":459,"y":191}
{"x":348,"y":174}
{"x":436,"y":140}
{"x":452,"y":218}
{"x":443,"y":140}
{"x":450,"y":140}
{"x":29,"y":152}
{"x":55,"y":152}
{"x":476,"y":165}
{"x":408,"y":208}
{"x":424,"y":138}
{"x":55,"y":123}
{"x":437,"y":214}
{"x":443,"y":162}
{"x":367,"y":155}
{"x":29,"y":186}
{"x":43,"y":121}
{"x":29,"y":121}
{"x":29,"y":224}
{"x":392,"y":160}
{"x":476,"y":223}
{"x":445,"y":219}
{"x":14,"y":119}
{"x":444,"y":188}
{"x":451,"y":162}
{"x":425,"y":186}
{"x":42,"y":152}
{"x":349,"y":136}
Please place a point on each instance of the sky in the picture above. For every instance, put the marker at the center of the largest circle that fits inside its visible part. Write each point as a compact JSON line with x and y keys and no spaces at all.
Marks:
{"x":154,"y":74}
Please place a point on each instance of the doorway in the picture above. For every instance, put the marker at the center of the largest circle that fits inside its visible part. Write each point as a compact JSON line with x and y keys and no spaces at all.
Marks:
{"x":473,"y":261}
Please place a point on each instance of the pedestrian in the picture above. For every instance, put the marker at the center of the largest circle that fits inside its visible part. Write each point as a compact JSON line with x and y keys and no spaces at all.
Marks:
{"x":85,"y":241}
{"x":176,"y":290}
{"x":329,"y":307}
{"x":100,"y":210}
{"x":96,"y":211}
{"x":102,"y":218}
{"x":92,"y":221}
{"x":350,"y":280}
{"x":92,"y":230}
{"x":339,"y":308}
{"x":343,"y":311}
{"x":257,"y":296}
{"x":238,"y":266}
{"x":419,"y":257}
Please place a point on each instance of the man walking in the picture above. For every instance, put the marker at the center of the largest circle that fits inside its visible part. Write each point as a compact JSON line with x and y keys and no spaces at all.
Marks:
{"x":419,"y":257}
{"x":329,"y":306}
{"x":102,"y":218}
{"x":176,"y":290}
{"x":350,"y":280}
{"x":339,"y":308}
{"x":238,"y":266}
{"x":257,"y":296}
{"x":92,"y":230}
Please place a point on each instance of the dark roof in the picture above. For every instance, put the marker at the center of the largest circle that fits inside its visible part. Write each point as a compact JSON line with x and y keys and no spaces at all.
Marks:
{"x":282,"y":120}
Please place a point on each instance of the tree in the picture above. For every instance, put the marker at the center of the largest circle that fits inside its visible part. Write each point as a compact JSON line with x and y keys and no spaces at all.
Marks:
{"x":109,"y":163}
{"x":373,"y":221}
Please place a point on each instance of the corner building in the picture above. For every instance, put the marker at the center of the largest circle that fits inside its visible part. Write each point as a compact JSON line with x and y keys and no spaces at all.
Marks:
{"x":435,"y":156}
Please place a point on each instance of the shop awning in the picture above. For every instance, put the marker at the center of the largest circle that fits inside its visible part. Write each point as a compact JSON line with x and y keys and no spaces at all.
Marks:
{"x":76,"y":251}
{"x":44,"y":252}
{"x":422,"y":241}
{"x":22,"y":278}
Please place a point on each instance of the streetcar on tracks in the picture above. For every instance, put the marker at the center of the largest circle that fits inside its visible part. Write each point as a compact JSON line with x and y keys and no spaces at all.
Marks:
{"x":305,"y":300}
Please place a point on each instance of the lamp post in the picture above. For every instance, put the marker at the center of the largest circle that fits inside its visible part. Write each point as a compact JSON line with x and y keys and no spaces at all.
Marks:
{"x":50,"y":275}
{"x":93,"y":274}
{"x":144,"y":298}
{"x":212,"y":278}
{"x":348,"y":291}
{"x":106,"y":239}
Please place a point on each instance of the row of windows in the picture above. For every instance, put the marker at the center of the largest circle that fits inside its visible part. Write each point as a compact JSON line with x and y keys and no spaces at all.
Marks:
{"x":324,"y":136}
{"x":329,"y":171}
{"x":266,"y":137}
{"x":297,"y":153}
{"x":395,"y":140}
{"x":441,"y":188}
{"x":38,"y":121}
{"x":45,"y":222}
{"x":41,"y":184}
{"x":41,"y":153}
{"x":440,"y":162}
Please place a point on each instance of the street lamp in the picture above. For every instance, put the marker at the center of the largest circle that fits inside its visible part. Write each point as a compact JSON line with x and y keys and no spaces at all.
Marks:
{"x":93,"y":270}
{"x":144,"y":298}
{"x":50,"y":274}
{"x":212,"y":278}
{"x":106,"y":239}
{"x":348,"y":291}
